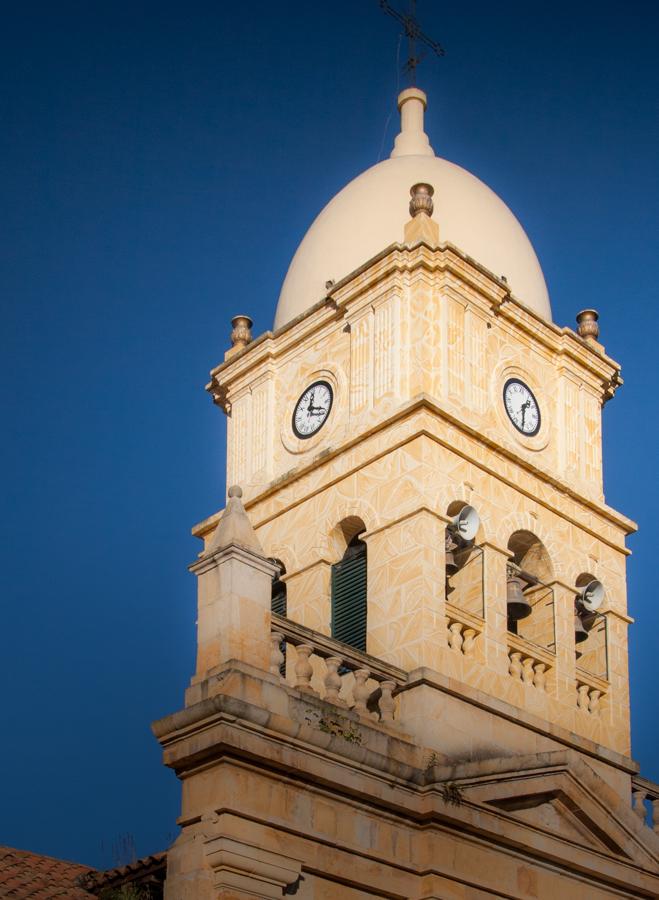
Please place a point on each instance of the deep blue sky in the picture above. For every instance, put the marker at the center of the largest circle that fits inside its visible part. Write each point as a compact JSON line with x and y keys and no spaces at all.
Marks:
{"x":150,"y":154}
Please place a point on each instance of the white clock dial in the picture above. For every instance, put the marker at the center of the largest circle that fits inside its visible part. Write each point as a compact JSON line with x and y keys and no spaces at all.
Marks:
{"x":312,"y":409}
{"x":521,"y":406}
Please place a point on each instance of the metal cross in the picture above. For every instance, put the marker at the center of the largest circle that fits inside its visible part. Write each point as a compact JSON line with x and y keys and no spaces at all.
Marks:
{"x":413,"y":34}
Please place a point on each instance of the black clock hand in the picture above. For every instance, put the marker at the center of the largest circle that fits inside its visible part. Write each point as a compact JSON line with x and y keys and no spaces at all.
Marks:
{"x":525,"y":406}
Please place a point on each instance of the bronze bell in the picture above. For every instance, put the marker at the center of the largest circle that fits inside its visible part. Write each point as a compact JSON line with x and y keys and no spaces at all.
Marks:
{"x":580,"y":630}
{"x":450,"y":563}
{"x":518,"y":606}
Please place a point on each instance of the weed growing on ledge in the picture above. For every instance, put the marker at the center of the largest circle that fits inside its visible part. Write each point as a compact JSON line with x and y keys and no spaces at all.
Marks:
{"x":336,"y":725}
{"x":451,"y":793}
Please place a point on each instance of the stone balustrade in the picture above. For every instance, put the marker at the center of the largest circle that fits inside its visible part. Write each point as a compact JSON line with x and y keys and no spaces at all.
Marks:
{"x":529,"y":663}
{"x":463,"y":630}
{"x":335,"y":672}
{"x":591,"y":690}
{"x":646,"y":792}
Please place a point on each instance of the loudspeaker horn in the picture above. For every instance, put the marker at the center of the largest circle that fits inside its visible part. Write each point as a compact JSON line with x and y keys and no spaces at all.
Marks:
{"x":591,"y":596}
{"x":466,"y":523}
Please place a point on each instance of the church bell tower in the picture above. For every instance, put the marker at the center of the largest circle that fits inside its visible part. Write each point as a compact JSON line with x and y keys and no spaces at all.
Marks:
{"x":412,"y":671}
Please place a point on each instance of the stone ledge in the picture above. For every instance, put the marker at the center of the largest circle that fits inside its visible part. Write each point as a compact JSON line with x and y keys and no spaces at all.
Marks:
{"x":504,"y":710}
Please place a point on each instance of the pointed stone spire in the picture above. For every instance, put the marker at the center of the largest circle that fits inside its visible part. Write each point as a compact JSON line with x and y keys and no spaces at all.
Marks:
{"x":412,"y":140}
{"x":234,"y":527}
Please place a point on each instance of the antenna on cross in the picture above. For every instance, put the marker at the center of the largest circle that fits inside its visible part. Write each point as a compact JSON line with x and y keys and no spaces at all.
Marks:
{"x":413,"y":34}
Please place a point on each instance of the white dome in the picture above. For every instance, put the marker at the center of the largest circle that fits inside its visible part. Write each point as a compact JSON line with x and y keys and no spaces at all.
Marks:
{"x":370,"y":213}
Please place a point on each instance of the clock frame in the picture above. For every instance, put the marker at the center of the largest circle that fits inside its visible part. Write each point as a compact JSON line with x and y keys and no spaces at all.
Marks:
{"x":320,"y":383}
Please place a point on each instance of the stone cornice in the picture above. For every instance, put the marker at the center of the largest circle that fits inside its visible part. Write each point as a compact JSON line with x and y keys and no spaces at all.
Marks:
{"x":245,"y":555}
{"x":408,"y":409}
{"x":501,"y":708}
{"x":228,"y":707}
{"x":392,"y":262}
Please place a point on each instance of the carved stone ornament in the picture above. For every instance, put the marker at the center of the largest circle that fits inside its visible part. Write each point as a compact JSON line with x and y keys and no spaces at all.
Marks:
{"x":241,"y":335}
{"x":587,"y":324}
{"x":421,"y":199}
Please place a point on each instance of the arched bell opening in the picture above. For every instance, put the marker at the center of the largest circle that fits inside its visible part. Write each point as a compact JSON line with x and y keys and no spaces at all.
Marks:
{"x":529,"y":599}
{"x":590,"y":626}
{"x":463,"y":559}
{"x":348,"y":586}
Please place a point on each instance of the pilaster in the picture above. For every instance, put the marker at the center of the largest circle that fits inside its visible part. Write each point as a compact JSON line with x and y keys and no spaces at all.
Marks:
{"x":495,"y":560}
{"x":406,"y":600}
{"x":308,"y":596}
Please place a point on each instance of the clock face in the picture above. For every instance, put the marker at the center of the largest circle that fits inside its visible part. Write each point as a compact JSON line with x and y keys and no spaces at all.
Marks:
{"x":521,"y":406}
{"x":312,"y":409}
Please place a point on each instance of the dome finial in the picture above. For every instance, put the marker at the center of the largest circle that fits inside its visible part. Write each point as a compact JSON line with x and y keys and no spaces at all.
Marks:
{"x":421,"y":227}
{"x":412,"y":140}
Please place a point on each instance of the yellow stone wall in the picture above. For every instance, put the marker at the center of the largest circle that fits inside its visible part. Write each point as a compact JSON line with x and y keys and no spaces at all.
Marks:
{"x":417,"y":346}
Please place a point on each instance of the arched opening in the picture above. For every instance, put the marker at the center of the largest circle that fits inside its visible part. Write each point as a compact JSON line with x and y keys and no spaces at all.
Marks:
{"x":530,"y":600}
{"x":590,"y":631}
{"x":278,"y":596}
{"x":530,"y":554}
{"x":463,"y":560}
{"x":348,"y":588}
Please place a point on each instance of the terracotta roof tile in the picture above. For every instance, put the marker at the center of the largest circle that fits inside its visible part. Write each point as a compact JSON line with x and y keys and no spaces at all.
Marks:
{"x":30,"y":876}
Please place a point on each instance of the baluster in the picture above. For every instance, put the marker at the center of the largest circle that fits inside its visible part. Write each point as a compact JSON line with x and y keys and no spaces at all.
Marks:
{"x":360,"y":691}
{"x":469,"y":636}
{"x":527,"y":670}
{"x":655,"y":815}
{"x":539,"y":678}
{"x":303,"y":668}
{"x":333,"y":681}
{"x":639,"y":804}
{"x":455,"y":638}
{"x":582,"y":696}
{"x":387,"y":702}
{"x":276,"y":656}
{"x":594,"y":704}
{"x":515,"y":668}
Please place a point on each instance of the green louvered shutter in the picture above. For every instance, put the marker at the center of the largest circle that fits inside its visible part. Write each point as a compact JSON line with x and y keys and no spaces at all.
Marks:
{"x":349,"y":597}
{"x":278,"y":602}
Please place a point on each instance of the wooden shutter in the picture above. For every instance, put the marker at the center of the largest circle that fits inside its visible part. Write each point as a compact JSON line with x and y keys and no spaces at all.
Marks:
{"x":349,"y":597}
{"x":278,"y":601}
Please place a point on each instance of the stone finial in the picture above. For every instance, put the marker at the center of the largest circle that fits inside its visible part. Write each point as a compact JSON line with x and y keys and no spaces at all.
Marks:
{"x":241,"y":334}
{"x":587,"y":325}
{"x":421,"y":201}
{"x":421,"y":228}
{"x":234,"y":528}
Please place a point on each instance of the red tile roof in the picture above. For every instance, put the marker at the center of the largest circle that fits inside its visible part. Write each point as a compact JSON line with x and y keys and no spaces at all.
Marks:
{"x":30,"y":876}
{"x":149,"y":872}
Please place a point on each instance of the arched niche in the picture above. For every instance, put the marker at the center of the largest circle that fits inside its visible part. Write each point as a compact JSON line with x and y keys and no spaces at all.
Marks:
{"x":529,"y":553}
{"x":343,"y":533}
{"x":584,"y":579}
{"x":349,"y":584}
